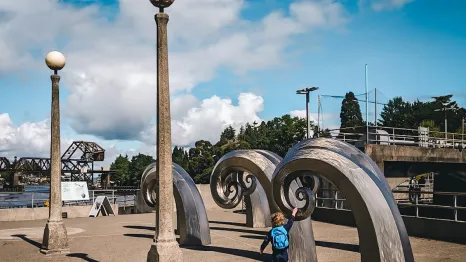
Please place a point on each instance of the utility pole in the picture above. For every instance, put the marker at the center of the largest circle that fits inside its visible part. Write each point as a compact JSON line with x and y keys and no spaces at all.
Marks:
{"x":367,"y":106}
{"x":445,"y":109}
{"x":306,"y":92}
{"x":462,"y":131}
{"x":375,"y":108}
{"x":318,"y":116}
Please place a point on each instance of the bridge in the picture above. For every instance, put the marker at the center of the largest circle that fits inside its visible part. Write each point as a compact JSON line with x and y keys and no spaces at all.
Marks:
{"x":77,"y":164}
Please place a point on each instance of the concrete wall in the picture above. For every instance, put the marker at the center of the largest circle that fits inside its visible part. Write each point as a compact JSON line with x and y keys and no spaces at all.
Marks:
{"x":22,"y":214}
{"x":382,"y":153}
{"x":444,"y":230}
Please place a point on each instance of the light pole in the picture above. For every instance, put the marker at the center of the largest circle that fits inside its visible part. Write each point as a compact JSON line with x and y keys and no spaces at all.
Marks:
{"x":445,"y":109}
{"x":55,"y":240}
{"x":462,"y":130}
{"x":164,"y":247}
{"x":306,"y":91}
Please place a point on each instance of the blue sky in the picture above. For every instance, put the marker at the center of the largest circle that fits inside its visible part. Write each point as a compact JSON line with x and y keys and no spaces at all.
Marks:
{"x":417,"y":50}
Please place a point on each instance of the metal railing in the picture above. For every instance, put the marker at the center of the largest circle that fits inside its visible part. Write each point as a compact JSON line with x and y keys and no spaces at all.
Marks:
{"x":33,"y":201}
{"x":337,"y":202}
{"x":398,"y":136}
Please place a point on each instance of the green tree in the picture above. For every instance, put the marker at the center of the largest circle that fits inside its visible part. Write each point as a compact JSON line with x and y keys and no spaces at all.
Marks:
{"x":201,"y":157}
{"x":121,"y":166}
{"x":227,"y":135}
{"x":137,"y":166}
{"x":350,"y":114}
{"x":180,"y":157}
{"x":398,"y":113}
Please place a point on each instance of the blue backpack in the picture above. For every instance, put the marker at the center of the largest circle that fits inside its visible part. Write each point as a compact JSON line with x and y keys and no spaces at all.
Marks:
{"x":279,"y":237}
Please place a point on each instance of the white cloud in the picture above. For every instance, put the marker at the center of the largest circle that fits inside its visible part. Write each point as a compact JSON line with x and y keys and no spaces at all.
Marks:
{"x":111,"y":65}
{"x":382,"y":5}
{"x":32,"y":139}
{"x":207,"y":120}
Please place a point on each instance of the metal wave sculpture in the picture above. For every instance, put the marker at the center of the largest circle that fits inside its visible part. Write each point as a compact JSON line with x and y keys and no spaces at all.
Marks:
{"x":192,"y":222}
{"x":382,"y":233}
{"x":236,"y":175}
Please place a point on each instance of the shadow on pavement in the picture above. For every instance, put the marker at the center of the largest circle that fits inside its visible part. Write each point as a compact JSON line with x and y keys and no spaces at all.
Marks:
{"x":141,"y":227}
{"x":146,"y":236}
{"x":139,"y":235}
{"x":341,"y":246}
{"x":232,"y":251}
{"x":257,"y":232}
{"x":148,"y":228}
{"x":229,"y":223}
{"x":82,"y":256}
{"x":28,"y":240}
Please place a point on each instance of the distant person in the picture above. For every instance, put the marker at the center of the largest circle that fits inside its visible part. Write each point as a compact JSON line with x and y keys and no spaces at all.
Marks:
{"x":279,"y":236}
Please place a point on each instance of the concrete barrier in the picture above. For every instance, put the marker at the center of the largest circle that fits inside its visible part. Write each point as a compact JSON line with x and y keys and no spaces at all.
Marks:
{"x":38,"y":213}
{"x":431,"y":228}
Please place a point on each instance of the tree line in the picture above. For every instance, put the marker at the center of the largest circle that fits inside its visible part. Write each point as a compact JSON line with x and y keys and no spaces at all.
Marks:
{"x":400,"y":113}
{"x":281,"y":133}
{"x":277,"y":135}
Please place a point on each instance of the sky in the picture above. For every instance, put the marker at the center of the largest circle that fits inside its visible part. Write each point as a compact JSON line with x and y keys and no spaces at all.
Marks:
{"x":231,"y":62}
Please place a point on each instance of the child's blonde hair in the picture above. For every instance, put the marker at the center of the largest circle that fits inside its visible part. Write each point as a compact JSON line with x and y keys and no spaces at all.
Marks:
{"x":278,"y":219}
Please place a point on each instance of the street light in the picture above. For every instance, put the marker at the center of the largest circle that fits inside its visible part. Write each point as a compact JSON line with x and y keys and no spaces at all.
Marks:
{"x":164,"y":246}
{"x":445,"y":109}
{"x":306,"y":92}
{"x":55,"y":239}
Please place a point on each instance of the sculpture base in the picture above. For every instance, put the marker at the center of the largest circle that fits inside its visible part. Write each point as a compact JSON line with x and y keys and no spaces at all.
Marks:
{"x":165,"y":252}
{"x":55,"y":239}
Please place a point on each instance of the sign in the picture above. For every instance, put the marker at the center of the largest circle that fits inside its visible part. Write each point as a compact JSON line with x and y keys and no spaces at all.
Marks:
{"x":103,"y":205}
{"x":74,"y":191}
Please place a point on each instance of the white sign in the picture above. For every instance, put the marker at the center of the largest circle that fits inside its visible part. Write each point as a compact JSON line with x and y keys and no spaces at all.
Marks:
{"x":74,"y":191}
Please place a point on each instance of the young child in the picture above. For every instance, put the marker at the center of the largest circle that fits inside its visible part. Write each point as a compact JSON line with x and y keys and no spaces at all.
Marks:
{"x":279,"y":236}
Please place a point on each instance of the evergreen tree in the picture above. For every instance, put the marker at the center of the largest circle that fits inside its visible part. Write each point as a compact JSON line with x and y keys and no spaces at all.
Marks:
{"x":121,"y":166}
{"x":350,"y":114}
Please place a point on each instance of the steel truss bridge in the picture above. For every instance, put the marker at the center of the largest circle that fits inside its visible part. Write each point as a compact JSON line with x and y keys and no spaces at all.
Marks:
{"x":77,"y":163}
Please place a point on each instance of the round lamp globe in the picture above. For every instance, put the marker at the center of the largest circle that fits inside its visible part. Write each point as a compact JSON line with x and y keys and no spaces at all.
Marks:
{"x":162,"y":3}
{"x":55,"y":60}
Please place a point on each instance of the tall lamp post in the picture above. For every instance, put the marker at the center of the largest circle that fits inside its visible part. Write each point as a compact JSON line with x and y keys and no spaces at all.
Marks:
{"x":306,"y":92}
{"x":55,"y":240}
{"x":445,"y":109}
{"x":164,"y":247}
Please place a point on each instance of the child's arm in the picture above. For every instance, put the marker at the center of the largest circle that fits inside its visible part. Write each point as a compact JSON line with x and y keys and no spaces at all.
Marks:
{"x":265,"y":243}
{"x":291,"y":220}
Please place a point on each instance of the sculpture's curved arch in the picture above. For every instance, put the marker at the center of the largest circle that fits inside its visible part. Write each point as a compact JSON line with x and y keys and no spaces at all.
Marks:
{"x":382,"y":237}
{"x":193,"y":225}
{"x":261,"y":164}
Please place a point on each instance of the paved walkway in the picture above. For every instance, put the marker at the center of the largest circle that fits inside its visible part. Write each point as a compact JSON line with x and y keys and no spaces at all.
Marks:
{"x":128,"y":238}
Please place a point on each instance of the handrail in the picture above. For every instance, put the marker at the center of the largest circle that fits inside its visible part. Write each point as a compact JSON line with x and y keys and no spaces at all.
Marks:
{"x":35,"y":202}
{"x":399,"y":136}
{"x":416,"y":203}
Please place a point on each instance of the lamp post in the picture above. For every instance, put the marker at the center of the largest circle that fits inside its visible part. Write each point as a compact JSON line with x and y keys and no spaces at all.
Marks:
{"x":462,"y":130}
{"x":55,"y":240}
{"x":164,"y":247}
{"x":445,"y":109}
{"x":306,"y":92}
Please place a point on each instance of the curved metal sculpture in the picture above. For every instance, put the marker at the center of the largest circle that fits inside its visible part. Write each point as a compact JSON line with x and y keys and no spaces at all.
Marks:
{"x":382,"y":233}
{"x":260,"y":165}
{"x":192,"y":222}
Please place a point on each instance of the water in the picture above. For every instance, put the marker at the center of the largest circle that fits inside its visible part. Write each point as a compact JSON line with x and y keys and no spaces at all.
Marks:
{"x":40,"y":193}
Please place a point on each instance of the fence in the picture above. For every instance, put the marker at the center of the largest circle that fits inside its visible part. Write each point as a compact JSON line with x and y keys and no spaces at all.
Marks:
{"x":33,"y":201}
{"x":337,"y":201}
{"x":421,"y":137}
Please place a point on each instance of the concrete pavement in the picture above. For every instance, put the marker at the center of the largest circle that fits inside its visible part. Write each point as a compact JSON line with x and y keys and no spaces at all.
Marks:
{"x":128,"y":238}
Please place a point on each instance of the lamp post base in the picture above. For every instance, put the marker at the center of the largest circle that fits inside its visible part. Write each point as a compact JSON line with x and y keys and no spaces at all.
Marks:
{"x":55,"y":239}
{"x":165,"y":252}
